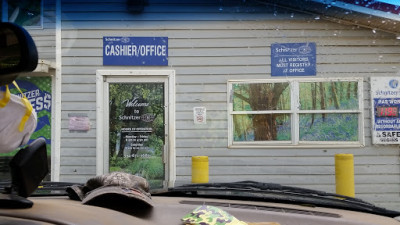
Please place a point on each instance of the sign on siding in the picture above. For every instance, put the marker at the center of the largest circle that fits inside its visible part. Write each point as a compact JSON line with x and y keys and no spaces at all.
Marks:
{"x":293,"y":59}
{"x":78,"y":122}
{"x":135,"y":51}
{"x":200,"y":115}
{"x":385,"y":96}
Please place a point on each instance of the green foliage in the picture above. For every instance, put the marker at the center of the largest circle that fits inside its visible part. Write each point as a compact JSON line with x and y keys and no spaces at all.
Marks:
{"x":245,"y":94}
{"x":120,"y":162}
{"x":115,"y":168}
{"x":335,"y":127}
{"x":327,"y":93}
{"x":157,"y":144}
{"x":150,"y":168}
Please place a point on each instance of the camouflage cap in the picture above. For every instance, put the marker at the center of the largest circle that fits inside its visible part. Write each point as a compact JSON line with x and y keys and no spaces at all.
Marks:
{"x":113,"y":186}
{"x":210,"y":215}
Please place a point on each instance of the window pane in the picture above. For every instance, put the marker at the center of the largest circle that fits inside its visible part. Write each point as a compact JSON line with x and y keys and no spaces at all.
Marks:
{"x":329,"y":95}
{"x":261,"y":96}
{"x":329,"y":127}
{"x":137,"y":130}
{"x":262,"y":127}
{"x":25,"y":13}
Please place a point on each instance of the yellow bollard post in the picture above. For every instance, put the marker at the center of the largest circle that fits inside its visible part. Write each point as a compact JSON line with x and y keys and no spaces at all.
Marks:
{"x":344,"y":173}
{"x":199,"y":169}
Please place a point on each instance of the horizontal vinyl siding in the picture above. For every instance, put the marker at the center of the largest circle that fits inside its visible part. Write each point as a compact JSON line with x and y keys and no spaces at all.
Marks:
{"x":208,"y":47}
{"x":45,"y":37}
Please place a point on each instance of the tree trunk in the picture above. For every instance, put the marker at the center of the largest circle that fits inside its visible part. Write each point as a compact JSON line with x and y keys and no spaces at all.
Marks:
{"x":113,"y":136}
{"x":355,"y":89}
{"x":348,"y":90}
{"x":334,"y":96}
{"x":265,"y":127}
{"x":322,"y":93}
{"x":314,"y":101}
{"x":265,"y":97}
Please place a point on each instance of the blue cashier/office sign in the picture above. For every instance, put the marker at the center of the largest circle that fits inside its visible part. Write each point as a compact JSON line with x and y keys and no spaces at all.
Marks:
{"x":293,"y":59}
{"x":135,"y":51}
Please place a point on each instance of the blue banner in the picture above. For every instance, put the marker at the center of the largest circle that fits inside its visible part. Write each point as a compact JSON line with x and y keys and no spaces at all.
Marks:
{"x":293,"y":59}
{"x":135,"y":51}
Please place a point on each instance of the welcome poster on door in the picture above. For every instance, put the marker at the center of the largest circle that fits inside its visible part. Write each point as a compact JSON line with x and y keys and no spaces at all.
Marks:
{"x":137,"y":130}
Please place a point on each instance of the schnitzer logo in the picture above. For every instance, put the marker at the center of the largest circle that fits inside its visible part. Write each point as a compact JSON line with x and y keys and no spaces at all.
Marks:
{"x":125,"y":40}
{"x":147,"y":117}
{"x":393,"y":83}
{"x":305,"y":49}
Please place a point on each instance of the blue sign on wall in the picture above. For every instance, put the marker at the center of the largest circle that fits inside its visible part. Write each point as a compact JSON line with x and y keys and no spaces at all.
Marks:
{"x":135,"y":51}
{"x":293,"y":59}
{"x":385,"y":95}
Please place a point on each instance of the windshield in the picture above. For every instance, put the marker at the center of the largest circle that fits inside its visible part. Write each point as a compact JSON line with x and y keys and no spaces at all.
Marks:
{"x":301,"y":93}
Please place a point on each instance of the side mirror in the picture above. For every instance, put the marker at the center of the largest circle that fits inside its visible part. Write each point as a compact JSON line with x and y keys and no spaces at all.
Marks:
{"x":18,"y":52}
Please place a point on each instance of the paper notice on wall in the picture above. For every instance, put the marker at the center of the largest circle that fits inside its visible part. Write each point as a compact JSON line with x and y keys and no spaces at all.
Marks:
{"x":199,"y":115}
{"x":78,"y":122}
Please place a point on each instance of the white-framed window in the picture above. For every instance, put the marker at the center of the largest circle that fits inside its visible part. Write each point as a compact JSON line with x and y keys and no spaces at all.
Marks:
{"x":28,"y":14}
{"x":303,"y":112}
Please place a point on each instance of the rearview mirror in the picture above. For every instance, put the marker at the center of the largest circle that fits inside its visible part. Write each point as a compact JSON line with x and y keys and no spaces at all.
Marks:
{"x":18,"y":52}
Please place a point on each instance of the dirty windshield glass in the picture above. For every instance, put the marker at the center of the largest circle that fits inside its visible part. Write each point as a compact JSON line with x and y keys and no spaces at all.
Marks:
{"x":182,"y":92}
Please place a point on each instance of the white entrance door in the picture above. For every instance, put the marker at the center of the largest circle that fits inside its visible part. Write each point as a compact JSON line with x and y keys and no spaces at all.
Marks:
{"x":136,"y":122}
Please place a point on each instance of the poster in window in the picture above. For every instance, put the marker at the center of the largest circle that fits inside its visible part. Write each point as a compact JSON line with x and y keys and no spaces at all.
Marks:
{"x":38,"y":91}
{"x":137,"y":130}
{"x":328,"y":111}
{"x":330,"y":105}
{"x":250,"y":126}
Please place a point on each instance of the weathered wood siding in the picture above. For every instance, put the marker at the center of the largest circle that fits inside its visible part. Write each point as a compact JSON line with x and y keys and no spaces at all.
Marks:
{"x":209,"y":45}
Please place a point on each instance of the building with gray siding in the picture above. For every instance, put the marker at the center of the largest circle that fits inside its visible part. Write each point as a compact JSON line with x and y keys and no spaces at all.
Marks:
{"x":105,"y":115}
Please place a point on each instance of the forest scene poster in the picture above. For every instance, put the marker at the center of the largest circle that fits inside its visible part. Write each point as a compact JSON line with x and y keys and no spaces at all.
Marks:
{"x":337,"y":124}
{"x":137,"y":130}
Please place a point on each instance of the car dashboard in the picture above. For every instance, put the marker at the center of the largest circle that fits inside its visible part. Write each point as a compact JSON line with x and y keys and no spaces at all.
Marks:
{"x":171,"y":210}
